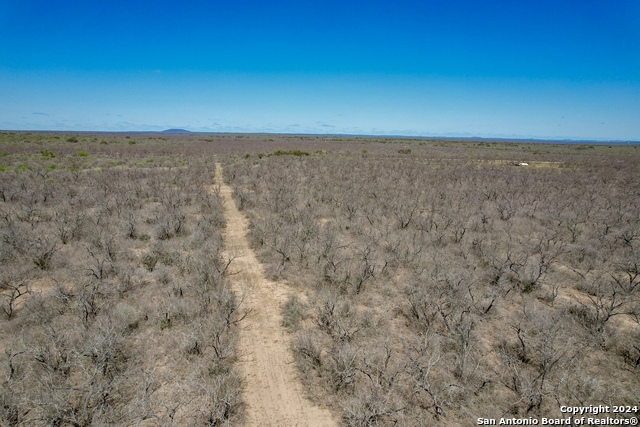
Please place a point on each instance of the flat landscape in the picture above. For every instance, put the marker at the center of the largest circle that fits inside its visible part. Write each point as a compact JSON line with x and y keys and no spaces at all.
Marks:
{"x":284,"y":280}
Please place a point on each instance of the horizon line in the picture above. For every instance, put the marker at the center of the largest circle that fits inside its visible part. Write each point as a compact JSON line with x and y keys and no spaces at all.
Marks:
{"x":181,"y":131}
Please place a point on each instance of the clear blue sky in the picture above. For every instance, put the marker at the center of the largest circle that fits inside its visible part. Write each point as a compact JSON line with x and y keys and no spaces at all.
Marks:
{"x":530,"y":69}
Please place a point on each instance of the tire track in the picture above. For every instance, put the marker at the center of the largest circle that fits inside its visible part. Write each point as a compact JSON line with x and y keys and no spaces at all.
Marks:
{"x":272,"y":392}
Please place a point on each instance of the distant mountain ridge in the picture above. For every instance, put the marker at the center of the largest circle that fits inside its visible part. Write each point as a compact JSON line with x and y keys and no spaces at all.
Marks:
{"x":176,"y":131}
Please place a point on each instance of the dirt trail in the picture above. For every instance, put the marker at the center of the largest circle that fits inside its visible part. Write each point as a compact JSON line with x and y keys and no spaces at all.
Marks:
{"x":272,"y":392}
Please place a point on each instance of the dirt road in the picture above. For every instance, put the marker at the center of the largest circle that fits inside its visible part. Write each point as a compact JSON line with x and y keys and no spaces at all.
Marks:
{"x":272,"y":392}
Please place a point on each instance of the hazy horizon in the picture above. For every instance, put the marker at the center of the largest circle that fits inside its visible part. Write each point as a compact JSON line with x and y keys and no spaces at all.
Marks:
{"x":531,"y":70}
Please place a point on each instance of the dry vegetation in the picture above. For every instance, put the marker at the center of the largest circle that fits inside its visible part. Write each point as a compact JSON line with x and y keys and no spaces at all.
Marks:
{"x":115,"y":305}
{"x":439,"y":291}
{"x":437,"y":283}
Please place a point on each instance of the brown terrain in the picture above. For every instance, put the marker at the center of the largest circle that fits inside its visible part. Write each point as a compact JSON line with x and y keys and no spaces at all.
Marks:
{"x":283,"y":280}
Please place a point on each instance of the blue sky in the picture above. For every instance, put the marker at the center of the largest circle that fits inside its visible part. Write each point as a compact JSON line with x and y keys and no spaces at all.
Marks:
{"x":529,"y":69}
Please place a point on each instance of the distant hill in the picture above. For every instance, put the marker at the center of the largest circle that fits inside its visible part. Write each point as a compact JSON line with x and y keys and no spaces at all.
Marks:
{"x":176,"y":131}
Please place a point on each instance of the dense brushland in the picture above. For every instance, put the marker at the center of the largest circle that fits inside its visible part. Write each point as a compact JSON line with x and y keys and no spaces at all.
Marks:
{"x":115,"y":305}
{"x":441,"y":290}
{"x":436,"y":281}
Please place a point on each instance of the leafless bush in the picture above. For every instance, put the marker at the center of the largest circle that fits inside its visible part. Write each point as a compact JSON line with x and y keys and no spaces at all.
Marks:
{"x":605,"y":299}
{"x":42,"y":250}
{"x":12,"y":291}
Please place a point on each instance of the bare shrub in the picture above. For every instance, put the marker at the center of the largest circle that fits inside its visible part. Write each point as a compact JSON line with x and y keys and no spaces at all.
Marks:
{"x":12,"y":292}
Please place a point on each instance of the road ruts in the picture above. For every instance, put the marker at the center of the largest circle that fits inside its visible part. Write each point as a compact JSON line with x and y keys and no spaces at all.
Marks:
{"x":272,"y":392}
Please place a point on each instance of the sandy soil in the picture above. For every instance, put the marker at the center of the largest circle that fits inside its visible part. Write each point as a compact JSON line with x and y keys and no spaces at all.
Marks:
{"x":272,"y":391}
